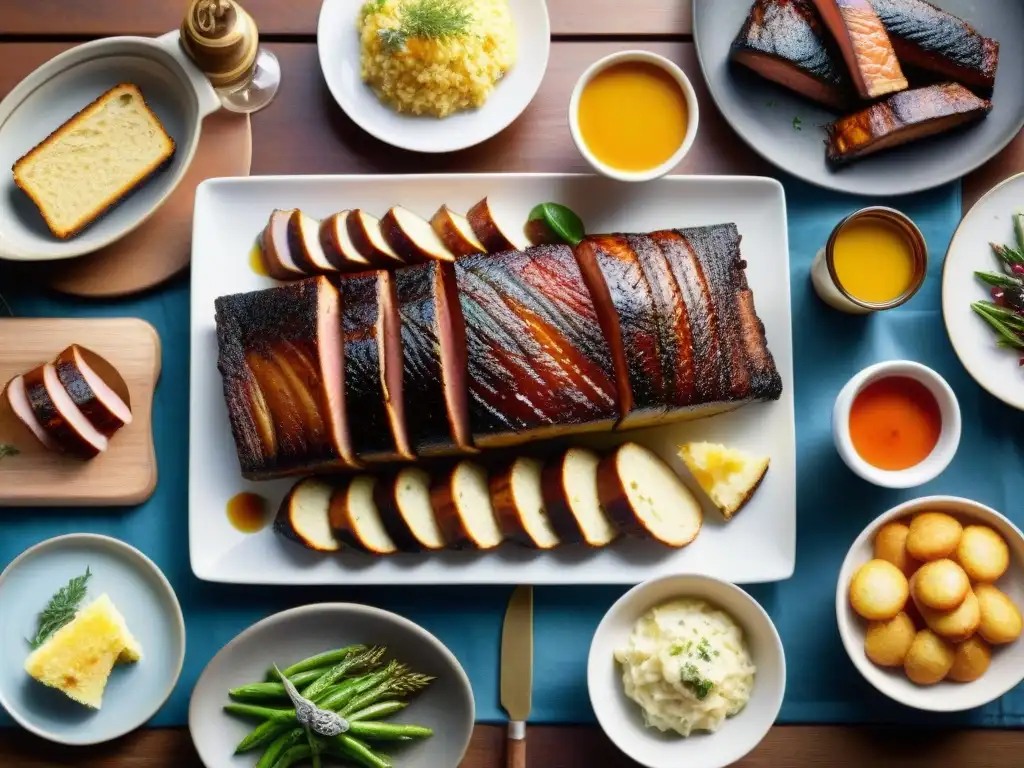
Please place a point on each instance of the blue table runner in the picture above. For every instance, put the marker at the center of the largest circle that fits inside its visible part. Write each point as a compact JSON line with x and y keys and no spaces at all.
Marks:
{"x":833,"y":505}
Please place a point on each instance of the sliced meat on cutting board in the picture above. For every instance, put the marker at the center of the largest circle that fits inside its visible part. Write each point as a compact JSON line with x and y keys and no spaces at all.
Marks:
{"x":644,"y":497}
{"x":79,"y":371}
{"x":931,"y":40}
{"x":785,"y":42}
{"x":304,"y":243}
{"x":276,"y":247}
{"x":903,"y":118}
{"x":538,"y":364}
{"x":355,"y":519}
{"x":60,"y":418}
{"x":406,"y":511}
{"x":17,"y":398}
{"x":303,"y":516}
{"x":518,"y":499}
{"x":281,"y":359}
{"x":625,"y":306}
{"x":373,"y":367}
{"x":462,"y":506}
{"x":338,"y":245}
{"x":865,"y":46}
{"x":569,"y":486}
{"x":433,"y":361}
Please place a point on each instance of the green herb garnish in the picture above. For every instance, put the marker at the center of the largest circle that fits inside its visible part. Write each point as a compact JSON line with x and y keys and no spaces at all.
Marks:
{"x":428,"y":19}
{"x":61,"y":609}
{"x":699,"y":686}
{"x":797,"y":124}
{"x":704,"y":649}
{"x":7,"y":449}
{"x":563,"y":222}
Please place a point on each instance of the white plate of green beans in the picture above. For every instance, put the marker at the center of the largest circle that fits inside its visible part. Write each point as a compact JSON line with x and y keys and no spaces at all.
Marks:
{"x":403,"y":697}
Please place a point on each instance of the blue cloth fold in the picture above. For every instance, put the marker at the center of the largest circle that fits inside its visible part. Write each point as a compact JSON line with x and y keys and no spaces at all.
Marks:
{"x":833,"y":505}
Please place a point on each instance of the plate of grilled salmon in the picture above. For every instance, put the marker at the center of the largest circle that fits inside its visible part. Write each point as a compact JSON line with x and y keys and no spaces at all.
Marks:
{"x":872,"y":97}
{"x":464,"y":397}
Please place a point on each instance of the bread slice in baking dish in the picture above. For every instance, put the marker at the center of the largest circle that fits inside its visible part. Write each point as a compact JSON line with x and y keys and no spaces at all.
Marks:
{"x":644,"y":496}
{"x":94,"y":160}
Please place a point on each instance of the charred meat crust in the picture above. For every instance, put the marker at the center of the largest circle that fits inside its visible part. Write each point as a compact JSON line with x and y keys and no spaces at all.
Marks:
{"x":82,"y":395}
{"x":52,"y":420}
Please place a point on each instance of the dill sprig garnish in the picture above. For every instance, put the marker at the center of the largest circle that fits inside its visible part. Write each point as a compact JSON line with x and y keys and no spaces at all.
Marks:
{"x":428,"y":19}
{"x":61,"y":609}
{"x":6,"y":449}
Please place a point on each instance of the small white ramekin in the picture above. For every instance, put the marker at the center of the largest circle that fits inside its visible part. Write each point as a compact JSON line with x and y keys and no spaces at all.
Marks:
{"x":693,"y":115}
{"x":944,"y":450}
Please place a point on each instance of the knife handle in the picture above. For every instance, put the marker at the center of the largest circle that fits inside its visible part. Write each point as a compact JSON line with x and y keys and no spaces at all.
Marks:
{"x":515,"y":756}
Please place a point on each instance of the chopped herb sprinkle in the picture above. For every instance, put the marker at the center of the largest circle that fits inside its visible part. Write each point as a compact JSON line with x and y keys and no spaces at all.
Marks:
{"x":691,"y":678}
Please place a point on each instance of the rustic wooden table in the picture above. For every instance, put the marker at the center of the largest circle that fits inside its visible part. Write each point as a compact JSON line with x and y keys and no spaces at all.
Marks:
{"x":303,"y":131}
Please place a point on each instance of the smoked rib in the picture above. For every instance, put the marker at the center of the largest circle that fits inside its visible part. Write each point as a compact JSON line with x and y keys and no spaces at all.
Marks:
{"x":280,"y":357}
{"x":373,"y":367}
{"x":538,"y":364}
{"x":785,"y":42}
{"x":433,"y":361}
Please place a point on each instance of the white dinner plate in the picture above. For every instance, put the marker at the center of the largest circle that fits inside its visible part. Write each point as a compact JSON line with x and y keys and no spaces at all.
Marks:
{"x":757,"y":545}
{"x":995,"y":369}
{"x":337,"y":41}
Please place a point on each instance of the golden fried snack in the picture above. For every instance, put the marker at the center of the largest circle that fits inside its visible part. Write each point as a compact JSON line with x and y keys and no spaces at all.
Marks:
{"x":878,"y":590}
{"x":940,"y":584}
{"x":932,"y":536}
{"x":886,"y":642}
{"x":970,"y":660}
{"x":1000,"y":619}
{"x":891,"y":545}
{"x":956,"y":625}
{"x":982,"y":553}
{"x":929,"y":659}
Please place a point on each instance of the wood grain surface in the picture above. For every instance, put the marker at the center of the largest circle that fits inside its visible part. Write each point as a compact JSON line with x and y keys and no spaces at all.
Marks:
{"x":582,"y":747}
{"x":275,"y":18}
{"x":126,"y":472}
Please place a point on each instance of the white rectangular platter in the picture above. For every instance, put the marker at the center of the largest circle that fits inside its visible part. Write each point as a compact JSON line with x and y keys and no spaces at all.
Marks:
{"x":759,"y":544}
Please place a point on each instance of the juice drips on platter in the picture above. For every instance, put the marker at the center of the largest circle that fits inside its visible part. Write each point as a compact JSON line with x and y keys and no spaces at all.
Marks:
{"x":256,"y":260}
{"x":248,"y":512}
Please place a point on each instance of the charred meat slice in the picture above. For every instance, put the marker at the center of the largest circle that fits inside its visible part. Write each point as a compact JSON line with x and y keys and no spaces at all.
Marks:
{"x":17,"y":398}
{"x":865,"y":46}
{"x":276,"y":248}
{"x":928,"y":39}
{"x":433,"y":361}
{"x":95,"y":398}
{"x":625,"y":308}
{"x":60,"y":418}
{"x":538,"y":363}
{"x":373,"y":367}
{"x":902,"y":118}
{"x":784,"y":41}
{"x":281,"y":361}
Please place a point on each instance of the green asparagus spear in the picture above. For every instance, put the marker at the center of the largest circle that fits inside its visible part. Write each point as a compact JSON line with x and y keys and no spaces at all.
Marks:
{"x":1007,"y":254}
{"x":261,"y":713}
{"x":388,"y":731}
{"x":366,"y":660}
{"x":1018,"y":229}
{"x":1005,"y":333}
{"x":352,"y":749}
{"x":328,"y":659}
{"x":264,"y":691}
{"x":261,"y":736}
{"x":998,"y":280}
{"x":400,"y":686}
{"x":280,"y":745}
{"x":378,"y":711}
{"x":293,"y":755}
{"x":337,"y":697}
{"x":1009,"y":317}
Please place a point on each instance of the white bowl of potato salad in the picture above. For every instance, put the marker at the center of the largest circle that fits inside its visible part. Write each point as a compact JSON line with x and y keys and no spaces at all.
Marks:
{"x":686,"y":670}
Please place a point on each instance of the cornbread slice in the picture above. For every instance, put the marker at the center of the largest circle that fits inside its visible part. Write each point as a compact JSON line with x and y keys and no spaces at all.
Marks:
{"x":94,"y":160}
{"x":78,"y":657}
{"x":728,"y":476}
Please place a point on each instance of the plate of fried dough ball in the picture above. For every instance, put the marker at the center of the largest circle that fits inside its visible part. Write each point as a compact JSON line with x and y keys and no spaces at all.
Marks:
{"x":929,"y":604}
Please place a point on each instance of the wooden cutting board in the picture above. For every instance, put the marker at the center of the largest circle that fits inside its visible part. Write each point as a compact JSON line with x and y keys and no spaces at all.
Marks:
{"x":126,"y":472}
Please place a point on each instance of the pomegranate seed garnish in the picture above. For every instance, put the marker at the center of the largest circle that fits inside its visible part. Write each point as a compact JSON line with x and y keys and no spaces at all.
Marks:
{"x":1017,"y":269}
{"x":1020,"y":363}
{"x":997,"y":294}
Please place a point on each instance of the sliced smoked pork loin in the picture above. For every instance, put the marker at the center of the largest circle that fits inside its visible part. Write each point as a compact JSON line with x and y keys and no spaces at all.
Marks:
{"x":373,"y":367}
{"x":538,"y":364}
{"x":60,"y":418}
{"x":78,"y":371}
{"x":433,"y":361}
{"x":784,"y":41}
{"x":280,"y":357}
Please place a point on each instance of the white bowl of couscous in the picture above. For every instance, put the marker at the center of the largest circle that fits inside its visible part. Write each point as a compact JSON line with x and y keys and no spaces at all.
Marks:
{"x":433,"y":75}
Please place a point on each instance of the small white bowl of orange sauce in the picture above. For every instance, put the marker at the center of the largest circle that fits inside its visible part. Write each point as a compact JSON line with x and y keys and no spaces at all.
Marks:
{"x":897,"y":424}
{"x":633,"y":115}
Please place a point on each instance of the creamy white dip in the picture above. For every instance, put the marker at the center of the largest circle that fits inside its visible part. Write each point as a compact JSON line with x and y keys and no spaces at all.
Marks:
{"x":687,"y":666}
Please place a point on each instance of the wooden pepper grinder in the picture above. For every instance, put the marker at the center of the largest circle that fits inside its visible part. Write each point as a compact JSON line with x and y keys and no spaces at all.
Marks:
{"x":223,"y":41}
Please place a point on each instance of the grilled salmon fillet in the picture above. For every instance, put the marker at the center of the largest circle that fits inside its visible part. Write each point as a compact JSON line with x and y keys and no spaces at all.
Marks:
{"x":865,"y":46}
{"x":928,"y":39}
{"x":902,"y":118}
{"x":280,"y":358}
{"x":785,"y":42}
{"x":538,"y":364}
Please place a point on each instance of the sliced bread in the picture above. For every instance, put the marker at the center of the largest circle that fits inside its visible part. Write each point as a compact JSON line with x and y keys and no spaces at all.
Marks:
{"x":94,"y":160}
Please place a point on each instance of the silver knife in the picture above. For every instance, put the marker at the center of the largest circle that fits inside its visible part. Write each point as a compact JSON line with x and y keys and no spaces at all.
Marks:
{"x":517,"y":672}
